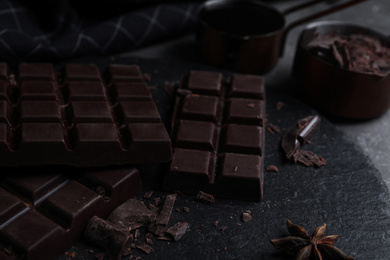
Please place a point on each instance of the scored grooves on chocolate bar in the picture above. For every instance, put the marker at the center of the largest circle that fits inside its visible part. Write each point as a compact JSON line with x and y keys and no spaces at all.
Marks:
{"x":218,"y":136}
{"x":44,"y":213}
{"x":79,"y":116}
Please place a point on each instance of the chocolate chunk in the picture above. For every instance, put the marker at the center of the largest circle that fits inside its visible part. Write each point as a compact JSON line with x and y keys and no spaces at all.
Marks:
{"x":79,"y":118}
{"x":43,"y":214}
{"x":216,"y":122}
{"x":160,"y":223}
{"x":103,"y":234}
{"x":131,"y":215}
{"x":177,"y":231}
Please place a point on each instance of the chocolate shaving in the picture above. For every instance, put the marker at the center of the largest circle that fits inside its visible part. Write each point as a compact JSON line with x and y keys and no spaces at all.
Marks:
{"x":309,"y":158}
{"x":246,"y":217}
{"x":272,"y":168}
{"x":299,"y":134}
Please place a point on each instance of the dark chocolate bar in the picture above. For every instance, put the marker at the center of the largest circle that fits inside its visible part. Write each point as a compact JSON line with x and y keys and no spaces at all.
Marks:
{"x":79,"y":116}
{"x":43,"y":214}
{"x":218,"y":136}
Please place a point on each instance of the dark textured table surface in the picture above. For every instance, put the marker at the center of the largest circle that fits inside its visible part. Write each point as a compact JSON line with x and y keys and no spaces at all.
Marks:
{"x":349,"y":193}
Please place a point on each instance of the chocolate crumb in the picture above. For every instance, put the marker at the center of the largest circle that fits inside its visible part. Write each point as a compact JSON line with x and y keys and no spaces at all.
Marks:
{"x":148,"y":194}
{"x":223,"y":228}
{"x":216,"y":223}
{"x":148,"y":241}
{"x":186,"y":209}
{"x":272,"y":168}
{"x":246,"y":217}
{"x":279,"y":105}
{"x":145,"y":248}
{"x":147,"y":77}
{"x":205,"y":197}
{"x":273,"y":129}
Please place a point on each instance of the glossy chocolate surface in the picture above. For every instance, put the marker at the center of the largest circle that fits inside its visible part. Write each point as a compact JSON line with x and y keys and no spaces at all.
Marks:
{"x":44,"y":213}
{"x":218,"y":136}
{"x":79,"y":116}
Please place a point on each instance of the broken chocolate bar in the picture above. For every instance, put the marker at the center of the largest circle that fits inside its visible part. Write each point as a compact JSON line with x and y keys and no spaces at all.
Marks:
{"x":44,"y":213}
{"x":218,"y":136}
{"x":78,"y":117}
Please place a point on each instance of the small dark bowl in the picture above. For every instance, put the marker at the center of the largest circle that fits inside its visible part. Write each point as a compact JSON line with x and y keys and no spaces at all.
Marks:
{"x":336,"y":91}
{"x":241,"y":35}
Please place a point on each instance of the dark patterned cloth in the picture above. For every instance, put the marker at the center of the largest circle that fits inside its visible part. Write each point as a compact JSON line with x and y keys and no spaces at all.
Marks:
{"x":47,"y":30}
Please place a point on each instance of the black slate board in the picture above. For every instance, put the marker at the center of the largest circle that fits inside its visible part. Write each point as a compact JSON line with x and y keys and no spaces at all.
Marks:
{"x":348,"y":194}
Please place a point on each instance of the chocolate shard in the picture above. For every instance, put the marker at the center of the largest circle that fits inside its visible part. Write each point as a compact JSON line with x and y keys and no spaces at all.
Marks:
{"x":160,"y":223}
{"x":106,"y":235}
{"x":131,"y":215}
{"x":299,"y":133}
{"x":177,"y":231}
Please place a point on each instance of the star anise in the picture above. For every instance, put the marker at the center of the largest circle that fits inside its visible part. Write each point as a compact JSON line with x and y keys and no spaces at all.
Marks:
{"x":304,"y":247}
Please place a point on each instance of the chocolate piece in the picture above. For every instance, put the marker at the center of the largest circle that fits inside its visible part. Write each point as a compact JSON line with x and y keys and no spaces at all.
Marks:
{"x":308,"y":158}
{"x":272,"y":168}
{"x":246,"y":217}
{"x":103,"y":234}
{"x":299,"y":133}
{"x":131,"y":215}
{"x":177,"y":231}
{"x":355,"y":52}
{"x":205,"y":197}
{"x":218,"y":136}
{"x":159,"y":225}
{"x":78,"y":118}
{"x":147,"y":249}
{"x":42,"y":215}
